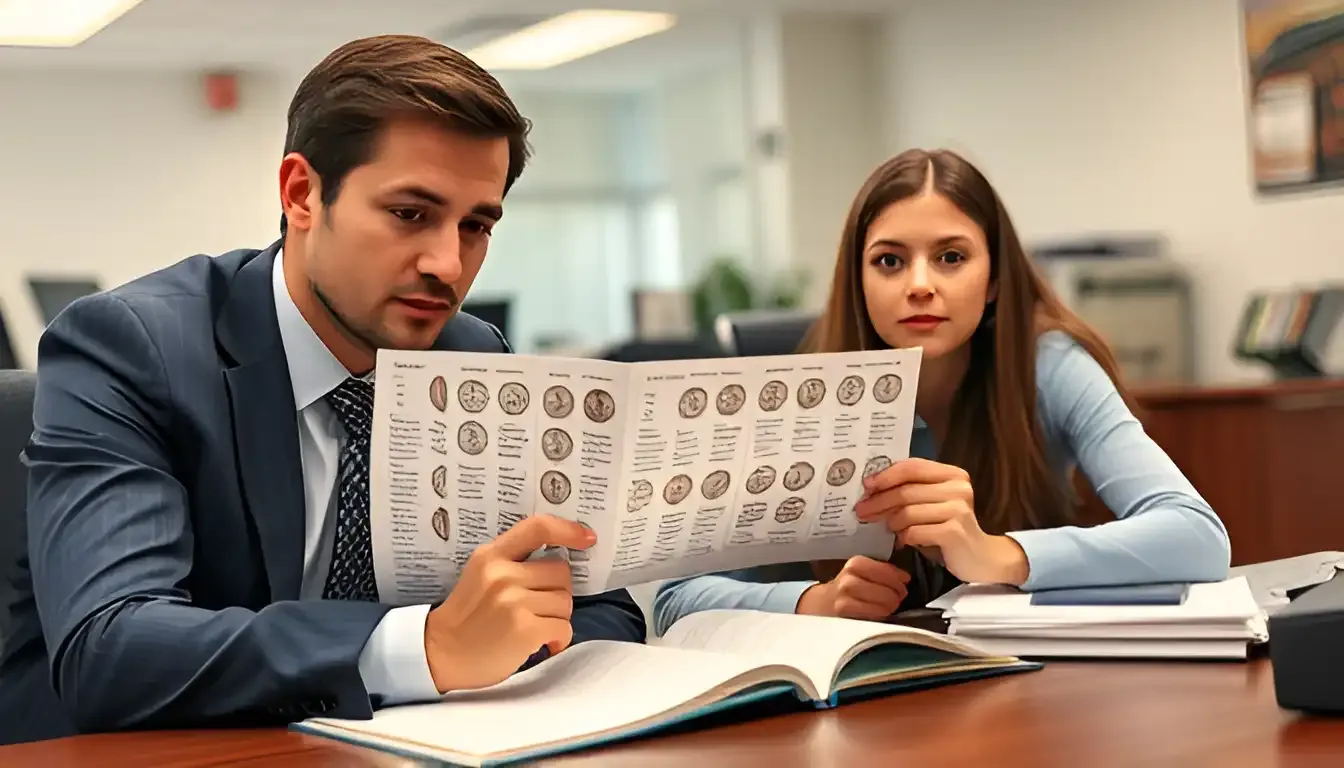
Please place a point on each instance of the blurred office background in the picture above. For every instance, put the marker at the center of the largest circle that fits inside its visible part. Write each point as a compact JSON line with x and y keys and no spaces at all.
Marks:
{"x":726,"y":148}
{"x":738,"y":134}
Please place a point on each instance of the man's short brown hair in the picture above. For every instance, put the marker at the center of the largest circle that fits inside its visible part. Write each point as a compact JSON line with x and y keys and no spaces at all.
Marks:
{"x":343,"y":103}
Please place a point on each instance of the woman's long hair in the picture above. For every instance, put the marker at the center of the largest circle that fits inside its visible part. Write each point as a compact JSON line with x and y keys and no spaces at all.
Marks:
{"x":993,"y":432}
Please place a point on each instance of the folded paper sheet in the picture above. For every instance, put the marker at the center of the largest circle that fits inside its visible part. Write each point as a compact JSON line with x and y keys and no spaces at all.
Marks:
{"x":680,"y":467}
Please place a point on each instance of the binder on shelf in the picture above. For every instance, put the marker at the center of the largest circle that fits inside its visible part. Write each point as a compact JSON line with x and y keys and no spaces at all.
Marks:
{"x":1298,"y":333}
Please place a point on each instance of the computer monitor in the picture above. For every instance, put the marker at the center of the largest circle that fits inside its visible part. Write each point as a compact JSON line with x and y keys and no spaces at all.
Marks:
{"x":492,"y":311}
{"x":52,"y":294}
{"x":663,"y":314}
{"x":764,"y":332}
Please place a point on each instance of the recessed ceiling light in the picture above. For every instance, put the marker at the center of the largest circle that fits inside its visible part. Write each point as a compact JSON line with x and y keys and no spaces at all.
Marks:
{"x":56,"y":23}
{"x":567,"y":37}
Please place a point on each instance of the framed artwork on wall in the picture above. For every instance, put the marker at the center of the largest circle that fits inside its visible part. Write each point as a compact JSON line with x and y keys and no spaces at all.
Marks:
{"x":1295,"y":90}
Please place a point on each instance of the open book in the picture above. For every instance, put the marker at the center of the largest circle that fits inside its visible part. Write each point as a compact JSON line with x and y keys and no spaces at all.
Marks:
{"x":679,"y":467}
{"x":600,"y":691}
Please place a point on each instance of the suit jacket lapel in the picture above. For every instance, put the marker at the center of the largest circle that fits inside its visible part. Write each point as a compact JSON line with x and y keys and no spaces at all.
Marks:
{"x":265,"y":424}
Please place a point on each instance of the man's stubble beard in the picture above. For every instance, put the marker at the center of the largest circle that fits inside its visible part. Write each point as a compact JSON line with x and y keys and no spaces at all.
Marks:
{"x":367,"y":339}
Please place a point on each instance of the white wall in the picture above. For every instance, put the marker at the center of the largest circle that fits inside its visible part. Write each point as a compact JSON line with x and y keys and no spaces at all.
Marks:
{"x":562,"y":252}
{"x":1095,"y":115}
{"x":120,"y":175}
{"x":831,"y":95}
{"x":698,"y":152}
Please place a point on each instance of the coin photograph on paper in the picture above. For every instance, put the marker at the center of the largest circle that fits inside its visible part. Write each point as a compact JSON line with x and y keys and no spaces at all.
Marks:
{"x":715,"y":484}
{"x":798,"y":476}
{"x":473,"y":396}
{"x":730,"y":399}
{"x":790,"y":510}
{"x":875,"y":465}
{"x":850,"y":390}
{"x":556,"y":444}
{"x":811,"y":393}
{"x":514,"y":398}
{"x":641,"y":493}
{"x":760,"y":480}
{"x":438,"y":479}
{"x":438,"y":394}
{"x":773,"y":396}
{"x":557,"y":401}
{"x":693,"y":403}
{"x":677,"y":489}
{"x":599,"y":406}
{"x":887,"y":388}
{"x":472,"y":438}
{"x":554,"y":486}
{"x":840,"y":472}
{"x":439,"y":522}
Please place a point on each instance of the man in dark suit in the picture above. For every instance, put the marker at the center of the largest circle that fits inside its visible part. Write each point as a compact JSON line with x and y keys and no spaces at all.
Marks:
{"x":198,"y":506}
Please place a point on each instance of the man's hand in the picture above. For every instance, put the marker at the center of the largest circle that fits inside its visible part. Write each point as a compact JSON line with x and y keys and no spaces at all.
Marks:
{"x":864,"y":589}
{"x":503,"y":609}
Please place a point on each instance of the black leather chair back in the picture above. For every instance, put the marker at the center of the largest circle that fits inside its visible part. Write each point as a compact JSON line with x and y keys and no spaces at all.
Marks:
{"x":659,"y":350}
{"x":16,"y":425}
{"x":29,"y":709}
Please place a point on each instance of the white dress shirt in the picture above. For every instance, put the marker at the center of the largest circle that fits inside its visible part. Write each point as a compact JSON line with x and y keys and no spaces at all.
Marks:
{"x":393,"y":664}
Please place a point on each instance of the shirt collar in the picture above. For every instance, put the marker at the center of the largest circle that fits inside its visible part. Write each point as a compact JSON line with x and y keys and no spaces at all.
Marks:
{"x":313,"y":370}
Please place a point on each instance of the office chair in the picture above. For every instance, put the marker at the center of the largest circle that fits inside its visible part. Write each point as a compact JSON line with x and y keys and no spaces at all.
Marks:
{"x":16,"y":425}
{"x":8,"y":359}
{"x":25,"y":719}
{"x":762,"y":332}
{"x":496,"y":312}
{"x":646,"y":351}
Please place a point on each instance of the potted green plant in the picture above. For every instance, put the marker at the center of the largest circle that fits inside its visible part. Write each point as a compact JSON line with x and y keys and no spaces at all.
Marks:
{"x":724,"y":286}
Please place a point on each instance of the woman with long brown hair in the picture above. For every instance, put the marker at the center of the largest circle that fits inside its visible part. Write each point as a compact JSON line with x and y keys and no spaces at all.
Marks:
{"x":1015,"y":392}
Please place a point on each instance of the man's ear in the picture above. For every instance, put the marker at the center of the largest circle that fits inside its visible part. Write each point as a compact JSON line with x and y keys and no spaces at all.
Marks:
{"x":300,"y":191}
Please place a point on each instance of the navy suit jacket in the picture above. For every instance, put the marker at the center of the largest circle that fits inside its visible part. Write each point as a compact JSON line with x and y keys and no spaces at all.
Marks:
{"x":166,"y":520}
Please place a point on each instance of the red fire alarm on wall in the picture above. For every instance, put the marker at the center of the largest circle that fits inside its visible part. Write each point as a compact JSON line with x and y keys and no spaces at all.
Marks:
{"x":221,"y":91}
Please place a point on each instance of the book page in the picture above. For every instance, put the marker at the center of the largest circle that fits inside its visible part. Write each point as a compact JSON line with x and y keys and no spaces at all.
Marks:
{"x":465,"y":445}
{"x":594,"y":688}
{"x":740,"y":462}
{"x":814,"y":644}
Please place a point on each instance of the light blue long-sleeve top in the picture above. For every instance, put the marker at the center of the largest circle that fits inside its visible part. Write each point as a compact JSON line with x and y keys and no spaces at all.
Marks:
{"x":1164,"y":530}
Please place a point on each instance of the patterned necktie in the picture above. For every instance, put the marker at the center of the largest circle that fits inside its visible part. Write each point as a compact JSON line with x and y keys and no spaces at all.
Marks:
{"x":351,"y":576}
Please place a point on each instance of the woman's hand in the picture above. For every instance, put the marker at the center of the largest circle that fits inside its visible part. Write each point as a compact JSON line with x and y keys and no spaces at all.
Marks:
{"x":927,"y":504}
{"x":864,"y":589}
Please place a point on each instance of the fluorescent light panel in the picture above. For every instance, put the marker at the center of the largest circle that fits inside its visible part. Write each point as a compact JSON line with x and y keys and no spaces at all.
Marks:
{"x":57,"y":23}
{"x":567,"y":37}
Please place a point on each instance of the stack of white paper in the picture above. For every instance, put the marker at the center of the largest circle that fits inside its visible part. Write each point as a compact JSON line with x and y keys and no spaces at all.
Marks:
{"x":1216,"y":621}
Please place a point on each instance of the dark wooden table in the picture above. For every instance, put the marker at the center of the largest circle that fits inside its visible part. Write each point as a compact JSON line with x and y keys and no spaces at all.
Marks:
{"x":1069,"y":714}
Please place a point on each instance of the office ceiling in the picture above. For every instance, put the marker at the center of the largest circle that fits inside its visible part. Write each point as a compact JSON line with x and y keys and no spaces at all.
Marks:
{"x":294,"y":34}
